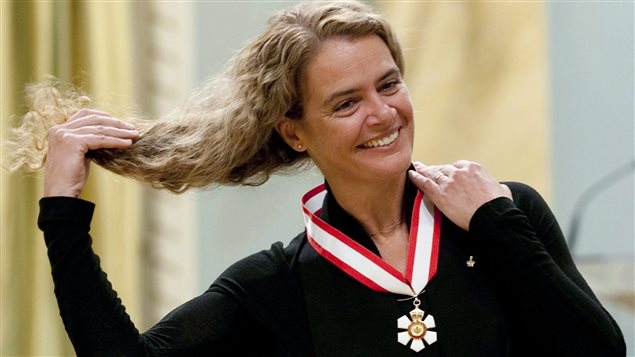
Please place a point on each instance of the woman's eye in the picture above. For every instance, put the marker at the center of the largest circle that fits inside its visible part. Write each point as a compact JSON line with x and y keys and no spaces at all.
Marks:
{"x":345,"y":105}
{"x":389,"y":85}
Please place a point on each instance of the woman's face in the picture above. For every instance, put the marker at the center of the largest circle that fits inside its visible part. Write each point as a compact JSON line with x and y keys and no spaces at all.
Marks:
{"x":358,"y":118}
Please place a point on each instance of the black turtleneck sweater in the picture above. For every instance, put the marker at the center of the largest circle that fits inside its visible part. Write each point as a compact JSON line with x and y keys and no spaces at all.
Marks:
{"x":523,"y":297}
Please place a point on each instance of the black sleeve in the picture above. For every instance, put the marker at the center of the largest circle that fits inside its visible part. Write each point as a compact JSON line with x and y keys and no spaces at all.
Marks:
{"x":527,"y":256}
{"x":93,"y":315}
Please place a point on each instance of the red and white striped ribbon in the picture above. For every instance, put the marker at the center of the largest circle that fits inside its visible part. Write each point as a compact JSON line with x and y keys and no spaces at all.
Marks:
{"x":365,"y":266}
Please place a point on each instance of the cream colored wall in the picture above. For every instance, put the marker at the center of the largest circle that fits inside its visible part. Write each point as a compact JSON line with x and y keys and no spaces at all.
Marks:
{"x":239,"y":221}
{"x":477,"y":74}
{"x":164,"y":52}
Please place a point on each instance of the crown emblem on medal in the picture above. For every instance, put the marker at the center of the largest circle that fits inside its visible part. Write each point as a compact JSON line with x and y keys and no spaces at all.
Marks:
{"x":417,"y":329}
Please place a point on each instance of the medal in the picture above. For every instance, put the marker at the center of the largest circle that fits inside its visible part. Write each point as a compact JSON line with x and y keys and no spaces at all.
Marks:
{"x":370,"y":270}
{"x":416,"y":329}
{"x":470,"y":263}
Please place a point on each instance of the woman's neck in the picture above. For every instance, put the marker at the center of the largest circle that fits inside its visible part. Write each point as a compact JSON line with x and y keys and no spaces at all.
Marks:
{"x":377,"y":206}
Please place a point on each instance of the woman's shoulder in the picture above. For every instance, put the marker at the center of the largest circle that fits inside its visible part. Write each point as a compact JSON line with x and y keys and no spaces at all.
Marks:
{"x":526,"y":201}
{"x":535,"y":208}
{"x":522,"y":190}
{"x":267,"y":287}
{"x":526,"y":198}
{"x":262,"y":269}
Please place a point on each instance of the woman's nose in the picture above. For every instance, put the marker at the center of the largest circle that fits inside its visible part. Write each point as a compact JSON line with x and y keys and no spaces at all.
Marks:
{"x":380,"y":112}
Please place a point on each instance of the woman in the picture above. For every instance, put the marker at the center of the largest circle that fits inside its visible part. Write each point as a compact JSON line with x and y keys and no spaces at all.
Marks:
{"x":395,"y":260}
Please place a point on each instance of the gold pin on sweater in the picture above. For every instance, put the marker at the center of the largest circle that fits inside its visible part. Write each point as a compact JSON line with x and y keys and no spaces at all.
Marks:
{"x":470,"y":263}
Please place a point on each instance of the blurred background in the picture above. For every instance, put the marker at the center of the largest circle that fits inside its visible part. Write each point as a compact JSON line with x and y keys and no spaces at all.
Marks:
{"x":539,"y":92}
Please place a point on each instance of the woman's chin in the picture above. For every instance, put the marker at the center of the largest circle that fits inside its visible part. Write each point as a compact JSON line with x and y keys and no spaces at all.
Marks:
{"x":389,"y":168}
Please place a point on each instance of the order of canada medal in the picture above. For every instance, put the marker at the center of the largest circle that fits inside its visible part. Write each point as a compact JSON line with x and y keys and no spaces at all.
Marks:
{"x":417,"y":329}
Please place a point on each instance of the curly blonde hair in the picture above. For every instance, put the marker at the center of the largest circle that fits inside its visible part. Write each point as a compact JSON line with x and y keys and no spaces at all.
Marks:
{"x":224,"y":133}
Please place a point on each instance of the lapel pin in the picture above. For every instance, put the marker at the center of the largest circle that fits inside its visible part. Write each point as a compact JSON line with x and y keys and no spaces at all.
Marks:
{"x":470,"y":263}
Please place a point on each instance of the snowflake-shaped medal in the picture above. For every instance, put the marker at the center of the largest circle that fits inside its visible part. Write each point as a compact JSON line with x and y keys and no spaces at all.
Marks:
{"x":416,"y":330}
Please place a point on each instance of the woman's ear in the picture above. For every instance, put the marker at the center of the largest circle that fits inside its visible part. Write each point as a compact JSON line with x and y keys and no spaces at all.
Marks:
{"x":290,"y":131}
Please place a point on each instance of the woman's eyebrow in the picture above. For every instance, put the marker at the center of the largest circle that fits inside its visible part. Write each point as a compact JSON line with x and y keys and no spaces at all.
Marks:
{"x":389,"y":73}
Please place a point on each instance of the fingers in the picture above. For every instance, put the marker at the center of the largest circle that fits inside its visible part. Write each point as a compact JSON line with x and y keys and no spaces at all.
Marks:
{"x":100,"y":141}
{"x":88,"y":129}
{"x":105,"y":131}
{"x":422,"y":182}
{"x":96,"y":118}
{"x":89,"y":138}
{"x":84,"y":112}
{"x":462,"y":164}
{"x":458,"y":171}
{"x":446,"y":173}
{"x":91,"y":129}
{"x":439,"y":174}
{"x":429,"y":172}
{"x":424,"y":178}
{"x":458,"y":190}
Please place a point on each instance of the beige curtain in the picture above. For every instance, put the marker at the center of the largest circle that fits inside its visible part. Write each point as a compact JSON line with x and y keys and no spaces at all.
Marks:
{"x":477,"y":74}
{"x":164,"y":33}
{"x":86,"y":43}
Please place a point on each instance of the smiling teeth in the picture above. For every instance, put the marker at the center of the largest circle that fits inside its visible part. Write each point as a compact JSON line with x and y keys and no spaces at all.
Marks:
{"x":381,"y":142}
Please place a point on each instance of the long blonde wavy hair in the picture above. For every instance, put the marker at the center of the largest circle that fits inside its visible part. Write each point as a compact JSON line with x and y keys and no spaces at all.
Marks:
{"x":224,"y":132}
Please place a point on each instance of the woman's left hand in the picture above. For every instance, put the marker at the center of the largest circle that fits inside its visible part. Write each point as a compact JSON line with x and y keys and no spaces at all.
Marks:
{"x":458,"y":190}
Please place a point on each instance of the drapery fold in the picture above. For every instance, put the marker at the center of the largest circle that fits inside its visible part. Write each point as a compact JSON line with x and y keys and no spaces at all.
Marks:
{"x":87,"y":44}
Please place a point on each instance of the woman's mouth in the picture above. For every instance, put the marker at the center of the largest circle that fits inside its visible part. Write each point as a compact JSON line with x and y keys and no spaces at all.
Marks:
{"x":385,"y":141}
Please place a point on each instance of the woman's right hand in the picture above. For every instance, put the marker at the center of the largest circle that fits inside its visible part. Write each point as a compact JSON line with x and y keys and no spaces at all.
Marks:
{"x":66,"y":168}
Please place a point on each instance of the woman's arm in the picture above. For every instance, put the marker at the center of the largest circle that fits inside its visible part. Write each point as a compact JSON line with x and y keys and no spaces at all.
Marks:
{"x":525,"y":254}
{"x":95,"y":318}
{"x":88,"y":304}
{"x":93,"y":315}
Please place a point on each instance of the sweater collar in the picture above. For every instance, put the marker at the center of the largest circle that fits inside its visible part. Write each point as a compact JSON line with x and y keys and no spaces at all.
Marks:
{"x":337,"y":217}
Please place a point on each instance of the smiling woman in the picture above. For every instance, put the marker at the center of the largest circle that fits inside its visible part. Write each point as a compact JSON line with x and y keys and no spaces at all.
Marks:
{"x":358,"y":129}
{"x":394,"y":255}
{"x":358,"y":122}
